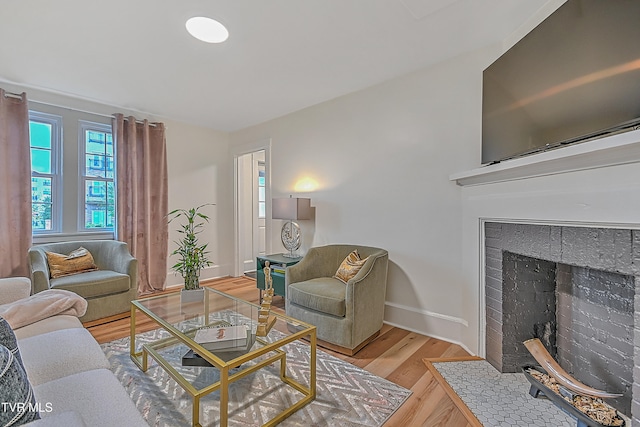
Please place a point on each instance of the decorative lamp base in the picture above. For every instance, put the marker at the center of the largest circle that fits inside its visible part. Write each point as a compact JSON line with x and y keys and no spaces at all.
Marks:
{"x":291,"y":238}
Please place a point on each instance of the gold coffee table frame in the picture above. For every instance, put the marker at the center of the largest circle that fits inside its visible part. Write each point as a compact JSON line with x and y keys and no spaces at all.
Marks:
{"x":141,"y":358}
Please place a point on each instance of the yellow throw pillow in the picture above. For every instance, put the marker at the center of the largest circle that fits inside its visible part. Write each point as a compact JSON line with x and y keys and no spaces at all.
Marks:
{"x":350,"y":267}
{"x":78,"y":261}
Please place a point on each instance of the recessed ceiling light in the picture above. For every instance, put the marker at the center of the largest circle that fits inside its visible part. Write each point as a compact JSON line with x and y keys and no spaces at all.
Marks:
{"x":207,"y":29}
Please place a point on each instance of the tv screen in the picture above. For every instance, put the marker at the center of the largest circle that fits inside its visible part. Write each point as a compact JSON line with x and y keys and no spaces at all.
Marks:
{"x":575,"y":77}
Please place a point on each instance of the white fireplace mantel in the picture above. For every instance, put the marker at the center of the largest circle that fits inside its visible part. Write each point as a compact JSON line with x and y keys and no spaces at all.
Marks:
{"x":613,"y":150}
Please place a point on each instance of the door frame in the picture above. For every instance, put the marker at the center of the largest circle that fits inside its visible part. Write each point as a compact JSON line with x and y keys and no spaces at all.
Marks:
{"x":238,"y":151}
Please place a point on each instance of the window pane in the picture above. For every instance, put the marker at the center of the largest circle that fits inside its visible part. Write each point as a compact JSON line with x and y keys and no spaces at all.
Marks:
{"x":99,"y":208}
{"x":261,"y":197}
{"x":40,"y":160}
{"x":95,"y":216}
{"x":111,"y":215}
{"x":109,"y":144}
{"x":262,"y":211}
{"x":95,"y":165}
{"x":41,"y":216}
{"x":96,"y":192}
{"x":95,"y":142}
{"x":41,"y":190}
{"x":111,"y":204}
{"x":110,"y":167}
{"x":40,"y":134}
{"x":45,"y":143}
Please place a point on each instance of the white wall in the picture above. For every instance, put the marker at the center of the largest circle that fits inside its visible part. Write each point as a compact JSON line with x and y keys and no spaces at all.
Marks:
{"x":382,"y":158}
{"x":199,"y":172}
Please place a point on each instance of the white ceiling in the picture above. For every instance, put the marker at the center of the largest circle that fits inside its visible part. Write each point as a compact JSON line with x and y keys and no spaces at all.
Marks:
{"x":281,"y":56}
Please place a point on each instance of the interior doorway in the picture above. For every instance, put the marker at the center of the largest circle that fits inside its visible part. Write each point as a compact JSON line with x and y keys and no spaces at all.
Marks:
{"x":252,"y":206}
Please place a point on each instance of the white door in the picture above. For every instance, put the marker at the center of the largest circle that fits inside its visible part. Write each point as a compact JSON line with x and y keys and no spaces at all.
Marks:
{"x":260,"y":206}
{"x":252,"y":202}
{"x":252,"y":209}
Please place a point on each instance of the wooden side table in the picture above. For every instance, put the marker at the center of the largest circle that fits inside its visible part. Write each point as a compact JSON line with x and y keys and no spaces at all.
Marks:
{"x":278,"y":264}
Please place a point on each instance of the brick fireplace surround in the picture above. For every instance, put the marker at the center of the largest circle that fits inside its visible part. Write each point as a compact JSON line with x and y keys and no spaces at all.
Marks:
{"x":575,"y":289}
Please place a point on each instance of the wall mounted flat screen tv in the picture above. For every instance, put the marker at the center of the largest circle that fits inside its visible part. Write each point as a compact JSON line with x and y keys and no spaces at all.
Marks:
{"x":575,"y":77}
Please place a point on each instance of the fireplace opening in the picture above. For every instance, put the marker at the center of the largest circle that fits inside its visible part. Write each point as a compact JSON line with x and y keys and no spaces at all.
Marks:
{"x":581,"y":309}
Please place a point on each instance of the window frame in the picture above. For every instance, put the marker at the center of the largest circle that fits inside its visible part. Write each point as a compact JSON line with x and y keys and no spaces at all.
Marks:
{"x":56,"y":123}
{"x":85,"y":126}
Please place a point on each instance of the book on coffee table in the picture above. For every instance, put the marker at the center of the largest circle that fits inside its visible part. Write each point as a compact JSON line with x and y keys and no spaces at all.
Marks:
{"x":222,"y":337}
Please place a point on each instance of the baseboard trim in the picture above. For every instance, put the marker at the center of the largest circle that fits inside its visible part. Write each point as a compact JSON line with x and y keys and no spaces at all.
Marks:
{"x":428,"y":313}
{"x":441,"y":326}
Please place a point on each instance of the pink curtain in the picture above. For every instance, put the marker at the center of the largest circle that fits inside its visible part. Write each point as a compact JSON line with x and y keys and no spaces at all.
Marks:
{"x":15,"y":185}
{"x":141,"y":159}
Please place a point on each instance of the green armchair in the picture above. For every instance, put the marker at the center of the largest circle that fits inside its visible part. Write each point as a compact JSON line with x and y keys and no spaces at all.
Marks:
{"x":347,"y":316}
{"x":108,"y":290}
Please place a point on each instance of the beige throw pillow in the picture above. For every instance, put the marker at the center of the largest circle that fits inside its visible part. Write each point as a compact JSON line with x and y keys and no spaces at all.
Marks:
{"x":78,"y":261}
{"x":350,"y":267}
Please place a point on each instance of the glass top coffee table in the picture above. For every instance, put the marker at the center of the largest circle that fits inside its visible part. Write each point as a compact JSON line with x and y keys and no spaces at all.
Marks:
{"x":182,"y":319}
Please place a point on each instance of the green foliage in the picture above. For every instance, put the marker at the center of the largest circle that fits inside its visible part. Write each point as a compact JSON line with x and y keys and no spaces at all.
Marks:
{"x":192,"y":255}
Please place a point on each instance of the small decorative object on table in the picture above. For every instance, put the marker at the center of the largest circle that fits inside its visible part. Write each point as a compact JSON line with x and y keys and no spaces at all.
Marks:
{"x":265,"y":319}
{"x":222,"y":337}
{"x":279,"y":265}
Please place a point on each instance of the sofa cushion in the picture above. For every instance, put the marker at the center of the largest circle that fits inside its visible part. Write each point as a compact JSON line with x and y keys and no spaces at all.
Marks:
{"x":324,"y":294}
{"x":14,"y":288}
{"x":93,"y":283}
{"x":66,"y":419}
{"x":96,"y":395}
{"x":68,"y":351}
{"x":50,"y":324}
{"x":76,"y":262}
{"x":16,"y":394}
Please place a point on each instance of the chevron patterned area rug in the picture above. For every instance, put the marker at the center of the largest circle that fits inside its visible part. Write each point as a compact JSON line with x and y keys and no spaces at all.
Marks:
{"x":346,"y":394}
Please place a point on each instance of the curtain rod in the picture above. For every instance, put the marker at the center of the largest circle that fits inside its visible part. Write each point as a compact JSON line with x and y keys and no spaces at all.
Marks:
{"x":12,"y":95}
{"x":85,"y":111}
{"x":19,"y":96}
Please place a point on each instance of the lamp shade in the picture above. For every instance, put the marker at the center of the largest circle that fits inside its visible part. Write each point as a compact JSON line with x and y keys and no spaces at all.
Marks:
{"x":291,"y":208}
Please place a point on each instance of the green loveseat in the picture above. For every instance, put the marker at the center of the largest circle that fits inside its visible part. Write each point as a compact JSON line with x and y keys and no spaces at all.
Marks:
{"x":108,"y":290}
{"x":347,"y":316}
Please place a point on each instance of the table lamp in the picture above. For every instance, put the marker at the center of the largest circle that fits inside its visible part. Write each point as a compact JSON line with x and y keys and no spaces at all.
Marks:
{"x":291,"y":208}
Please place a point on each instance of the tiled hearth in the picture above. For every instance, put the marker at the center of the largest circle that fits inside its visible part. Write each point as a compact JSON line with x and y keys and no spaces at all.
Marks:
{"x":575,"y":289}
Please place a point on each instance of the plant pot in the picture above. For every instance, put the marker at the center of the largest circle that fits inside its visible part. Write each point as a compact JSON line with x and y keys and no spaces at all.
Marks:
{"x":191,"y":295}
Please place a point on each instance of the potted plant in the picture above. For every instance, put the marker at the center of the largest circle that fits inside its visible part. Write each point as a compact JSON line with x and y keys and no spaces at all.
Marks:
{"x":192,"y":255}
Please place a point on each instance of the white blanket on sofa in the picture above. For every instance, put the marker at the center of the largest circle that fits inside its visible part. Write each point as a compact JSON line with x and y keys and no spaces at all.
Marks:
{"x":42,"y":305}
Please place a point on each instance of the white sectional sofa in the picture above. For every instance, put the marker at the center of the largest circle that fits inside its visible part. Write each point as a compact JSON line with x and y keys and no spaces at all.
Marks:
{"x":69,"y":372}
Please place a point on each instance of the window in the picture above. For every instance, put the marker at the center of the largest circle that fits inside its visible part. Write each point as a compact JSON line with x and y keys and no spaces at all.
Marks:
{"x":262,"y":205}
{"x":46,"y":182}
{"x":97,"y":177}
{"x":72,"y":174}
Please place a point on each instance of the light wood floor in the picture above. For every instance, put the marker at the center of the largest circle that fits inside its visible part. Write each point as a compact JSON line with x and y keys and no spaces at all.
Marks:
{"x":396,"y":355}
